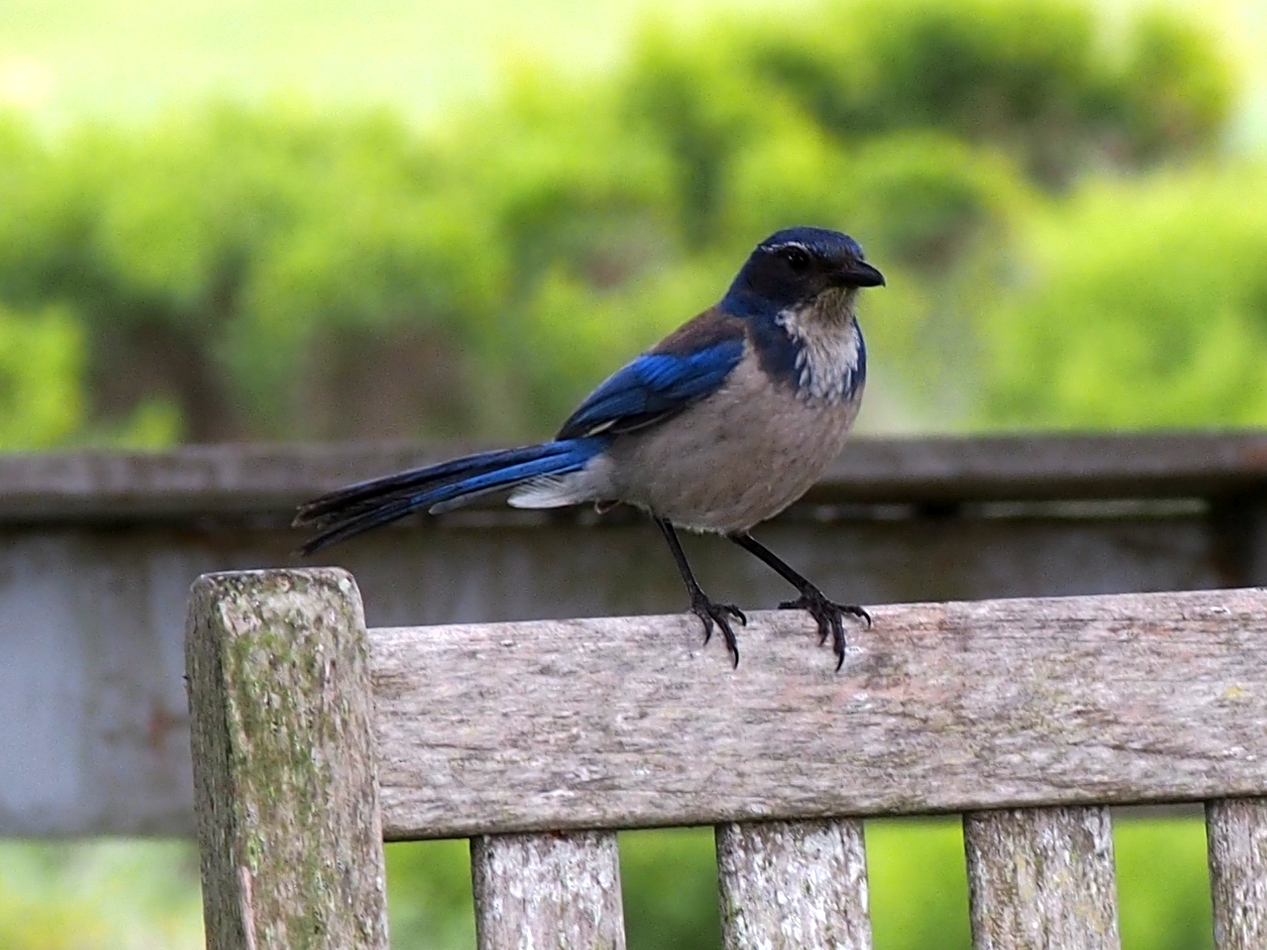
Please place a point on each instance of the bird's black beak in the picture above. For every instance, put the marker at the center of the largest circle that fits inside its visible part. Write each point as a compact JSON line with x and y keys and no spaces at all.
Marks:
{"x":859,"y":274}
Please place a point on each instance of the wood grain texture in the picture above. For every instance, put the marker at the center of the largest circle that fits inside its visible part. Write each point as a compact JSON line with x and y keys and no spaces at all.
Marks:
{"x":631,"y":722}
{"x":799,"y":885}
{"x":1236,"y":833}
{"x":289,"y":823}
{"x":1042,"y":879}
{"x":547,"y":891}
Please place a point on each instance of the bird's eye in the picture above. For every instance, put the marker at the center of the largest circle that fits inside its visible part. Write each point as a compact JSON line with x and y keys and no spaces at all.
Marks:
{"x":797,"y":258}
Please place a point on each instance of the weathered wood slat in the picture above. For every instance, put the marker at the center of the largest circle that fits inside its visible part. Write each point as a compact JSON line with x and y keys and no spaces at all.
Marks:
{"x":629,"y":722}
{"x":288,"y":814}
{"x":1041,"y":879}
{"x":547,"y":890}
{"x":1236,"y":832}
{"x":793,"y":886}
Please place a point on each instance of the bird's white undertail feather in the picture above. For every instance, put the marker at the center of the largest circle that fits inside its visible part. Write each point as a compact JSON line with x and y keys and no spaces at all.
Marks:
{"x":553,"y":491}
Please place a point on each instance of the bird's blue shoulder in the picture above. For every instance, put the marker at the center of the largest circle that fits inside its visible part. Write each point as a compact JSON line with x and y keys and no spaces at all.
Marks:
{"x":689,"y":364}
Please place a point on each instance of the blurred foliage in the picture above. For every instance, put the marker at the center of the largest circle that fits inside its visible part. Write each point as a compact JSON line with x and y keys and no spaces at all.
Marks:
{"x":918,"y":885}
{"x":1168,"y":327}
{"x":118,"y":895}
{"x":1163,"y":884}
{"x":41,"y":378}
{"x":236,"y":273}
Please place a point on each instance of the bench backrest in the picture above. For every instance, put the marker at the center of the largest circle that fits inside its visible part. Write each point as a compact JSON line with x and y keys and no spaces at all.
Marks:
{"x":314,"y":739}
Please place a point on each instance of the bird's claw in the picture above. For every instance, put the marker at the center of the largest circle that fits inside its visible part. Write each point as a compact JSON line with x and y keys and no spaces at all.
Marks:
{"x":712,"y":613}
{"x":830,"y":617}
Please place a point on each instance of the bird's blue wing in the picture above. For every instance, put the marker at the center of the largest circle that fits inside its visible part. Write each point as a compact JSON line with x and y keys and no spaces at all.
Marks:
{"x":687,"y":366}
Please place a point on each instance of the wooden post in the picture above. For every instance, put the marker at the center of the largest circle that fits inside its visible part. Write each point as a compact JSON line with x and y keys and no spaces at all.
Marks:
{"x":1236,"y":833}
{"x":284,"y":777}
{"x":548,"y":890}
{"x":793,"y":885}
{"x":1042,"y":878}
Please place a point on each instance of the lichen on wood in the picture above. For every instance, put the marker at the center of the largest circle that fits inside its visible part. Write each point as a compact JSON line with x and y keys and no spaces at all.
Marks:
{"x":1236,"y":832}
{"x":620,"y":722}
{"x":1042,"y":878}
{"x":284,"y":773}
{"x":547,"y":892}
{"x":793,"y":885}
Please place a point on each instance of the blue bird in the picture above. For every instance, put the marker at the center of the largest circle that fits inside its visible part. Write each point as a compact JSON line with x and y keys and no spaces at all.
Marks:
{"x":723,"y":424}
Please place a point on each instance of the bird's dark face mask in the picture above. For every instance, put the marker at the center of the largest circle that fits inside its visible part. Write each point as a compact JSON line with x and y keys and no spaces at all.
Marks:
{"x":795,"y":271}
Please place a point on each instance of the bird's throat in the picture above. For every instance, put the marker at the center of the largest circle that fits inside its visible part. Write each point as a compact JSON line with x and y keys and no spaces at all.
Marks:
{"x":828,"y":343}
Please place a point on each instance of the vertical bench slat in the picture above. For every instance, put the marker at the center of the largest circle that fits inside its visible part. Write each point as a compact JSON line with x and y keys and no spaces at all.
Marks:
{"x":1041,"y":878}
{"x":548,"y":890}
{"x":284,"y":776}
{"x":793,"y":884}
{"x":1236,"y":834}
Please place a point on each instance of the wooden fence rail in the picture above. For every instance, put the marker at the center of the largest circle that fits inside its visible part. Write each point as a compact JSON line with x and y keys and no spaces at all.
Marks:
{"x":315,"y":739}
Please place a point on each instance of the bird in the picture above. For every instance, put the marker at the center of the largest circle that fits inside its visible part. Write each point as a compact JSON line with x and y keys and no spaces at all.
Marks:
{"x":720,"y":426}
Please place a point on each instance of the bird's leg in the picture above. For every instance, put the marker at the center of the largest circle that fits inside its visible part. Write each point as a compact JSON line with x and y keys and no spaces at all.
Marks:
{"x":828,"y":613}
{"x":702,"y":605}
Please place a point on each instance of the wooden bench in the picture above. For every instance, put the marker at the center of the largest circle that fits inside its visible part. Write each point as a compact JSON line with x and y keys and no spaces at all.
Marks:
{"x":315,"y":739}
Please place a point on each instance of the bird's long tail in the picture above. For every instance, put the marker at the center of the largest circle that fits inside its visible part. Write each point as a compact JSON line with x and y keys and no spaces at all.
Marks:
{"x":436,"y":488}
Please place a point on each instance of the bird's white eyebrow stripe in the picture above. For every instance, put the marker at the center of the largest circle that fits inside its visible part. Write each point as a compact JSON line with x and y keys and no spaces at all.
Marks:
{"x":784,"y":244}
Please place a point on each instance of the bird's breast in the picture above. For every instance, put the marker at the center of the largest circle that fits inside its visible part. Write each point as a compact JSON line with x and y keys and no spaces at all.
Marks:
{"x":736,"y":458}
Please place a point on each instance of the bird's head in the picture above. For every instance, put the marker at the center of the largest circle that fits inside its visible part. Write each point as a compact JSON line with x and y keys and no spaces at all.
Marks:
{"x":794,"y":268}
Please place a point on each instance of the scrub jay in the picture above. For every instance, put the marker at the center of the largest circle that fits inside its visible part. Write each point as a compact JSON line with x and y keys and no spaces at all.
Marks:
{"x":723,"y":424}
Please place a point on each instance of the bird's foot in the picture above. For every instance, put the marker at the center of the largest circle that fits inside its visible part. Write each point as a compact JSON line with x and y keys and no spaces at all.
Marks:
{"x":830,"y":617}
{"x":712,"y":613}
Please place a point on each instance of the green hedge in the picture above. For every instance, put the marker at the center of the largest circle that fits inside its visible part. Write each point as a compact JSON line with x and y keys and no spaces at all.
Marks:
{"x":234,"y":272}
{"x":1139,"y":303}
